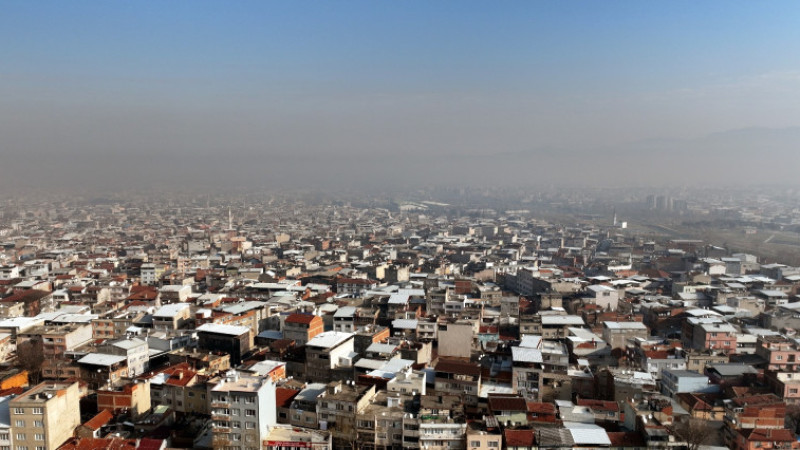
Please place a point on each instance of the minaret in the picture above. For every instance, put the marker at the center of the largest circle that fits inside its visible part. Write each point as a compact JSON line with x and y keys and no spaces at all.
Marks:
{"x":615,"y":217}
{"x":230,"y":219}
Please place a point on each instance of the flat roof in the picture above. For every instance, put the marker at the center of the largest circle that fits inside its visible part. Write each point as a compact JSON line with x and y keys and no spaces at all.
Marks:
{"x":100,"y":359}
{"x":329,"y":339}
{"x":231,"y":330}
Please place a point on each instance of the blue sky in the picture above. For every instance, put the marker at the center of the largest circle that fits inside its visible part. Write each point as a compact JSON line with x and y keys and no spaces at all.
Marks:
{"x":369,"y":77}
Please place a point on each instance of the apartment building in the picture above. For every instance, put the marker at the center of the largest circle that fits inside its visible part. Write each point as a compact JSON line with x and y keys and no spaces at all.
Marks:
{"x":234,"y":340}
{"x":327,"y":351}
{"x":780,"y":352}
{"x":55,"y":340}
{"x":45,"y":416}
{"x":301,"y":328}
{"x":616,"y":334}
{"x":136,"y":351}
{"x":242,"y":410}
{"x":459,"y":378}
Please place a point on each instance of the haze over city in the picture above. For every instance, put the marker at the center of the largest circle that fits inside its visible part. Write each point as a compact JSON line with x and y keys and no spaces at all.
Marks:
{"x":110,"y":95}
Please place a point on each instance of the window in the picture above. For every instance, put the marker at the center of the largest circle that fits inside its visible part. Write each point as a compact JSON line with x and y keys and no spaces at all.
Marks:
{"x":38,"y":423}
{"x":494,"y":444}
{"x":19,"y":423}
{"x":38,"y":411}
{"x":20,"y":436}
{"x":19,"y":410}
{"x":39,"y":436}
{"x":778,"y":357}
{"x":250,"y":412}
{"x":250,"y":425}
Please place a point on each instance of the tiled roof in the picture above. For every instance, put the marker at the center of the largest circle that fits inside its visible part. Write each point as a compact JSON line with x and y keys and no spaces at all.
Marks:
{"x":507,"y":403}
{"x":102,"y":418}
{"x":300,"y":318}
{"x":519,"y":438}
{"x":458,"y":367}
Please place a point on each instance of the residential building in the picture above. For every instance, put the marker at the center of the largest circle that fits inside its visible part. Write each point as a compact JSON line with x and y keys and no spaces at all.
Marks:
{"x":234,"y":340}
{"x":45,"y":416}
{"x":326,"y":352}
{"x":301,"y":328}
{"x":242,"y":410}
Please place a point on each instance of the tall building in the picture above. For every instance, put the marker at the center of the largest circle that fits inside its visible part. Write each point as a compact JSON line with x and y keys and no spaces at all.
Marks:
{"x":242,"y":411}
{"x":45,"y":416}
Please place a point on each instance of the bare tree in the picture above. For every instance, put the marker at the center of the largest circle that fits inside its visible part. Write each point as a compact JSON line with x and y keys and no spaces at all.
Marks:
{"x":793,"y":418}
{"x":30,"y":357}
{"x":695,"y":432}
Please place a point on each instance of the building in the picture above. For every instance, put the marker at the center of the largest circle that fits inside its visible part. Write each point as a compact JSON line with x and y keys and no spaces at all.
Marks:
{"x":101,"y":370}
{"x":133,"y":398}
{"x":326,"y":352}
{"x":135,"y":350}
{"x":55,"y":340}
{"x":785,"y":385}
{"x":678,"y":381}
{"x":301,"y":328}
{"x":756,"y":411}
{"x":709,"y":333}
{"x":337,"y":409}
{"x":242,"y":410}
{"x":45,"y":416}
{"x":780,"y":352}
{"x":232,"y":339}
{"x":458,"y":378}
{"x":764,"y":439}
{"x":179,"y":388}
{"x":616,"y":334}
{"x":603,"y":296}
{"x":455,"y":339}
{"x":283,"y":437}
{"x":172,"y":317}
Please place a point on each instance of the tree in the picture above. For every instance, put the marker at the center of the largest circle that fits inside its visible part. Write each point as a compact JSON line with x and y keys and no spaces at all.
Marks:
{"x":30,"y":357}
{"x":695,"y":432}
{"x":793,"y":418}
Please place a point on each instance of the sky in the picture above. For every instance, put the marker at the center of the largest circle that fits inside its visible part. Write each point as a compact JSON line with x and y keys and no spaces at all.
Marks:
{"x":126,"y":93}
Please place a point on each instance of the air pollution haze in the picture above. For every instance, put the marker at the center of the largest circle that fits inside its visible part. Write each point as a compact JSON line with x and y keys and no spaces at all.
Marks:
{"x":372,"y":95}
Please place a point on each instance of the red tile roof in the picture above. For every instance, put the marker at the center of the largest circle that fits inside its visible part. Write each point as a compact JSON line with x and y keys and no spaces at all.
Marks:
{"x":96,"y":422}
{"x":519,"y":438}
{"x":458,"y":367}
{"x":541,"y":408}
{"x":507,"y":403}
{"x":300,"y":318}
{"x":284,"y":396}
{"x":767,"y":434}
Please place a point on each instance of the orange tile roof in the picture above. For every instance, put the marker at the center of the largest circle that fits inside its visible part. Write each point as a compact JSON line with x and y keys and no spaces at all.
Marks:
{"x":102,"y":418}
